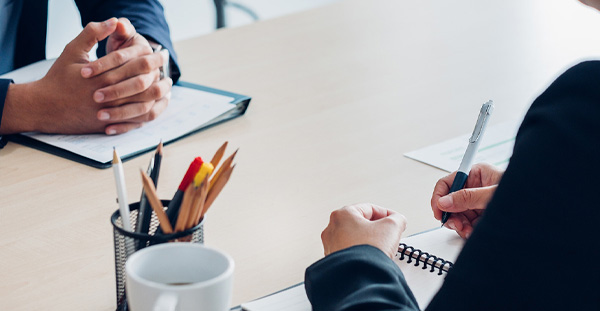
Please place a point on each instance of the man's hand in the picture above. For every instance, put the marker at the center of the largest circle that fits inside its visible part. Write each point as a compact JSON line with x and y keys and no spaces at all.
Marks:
{"x":364,"y":224}
{"x":61,"y":102}
{"x":135,"y":93}
{"x":466,"y":205}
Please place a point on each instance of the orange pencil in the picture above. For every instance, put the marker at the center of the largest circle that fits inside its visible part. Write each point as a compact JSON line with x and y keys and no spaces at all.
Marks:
{"x":218,"y":155}
{"x":216,"y":189}
{"x":156,"y":204}
{"x":184,"y":211}
{"x":198,"y":205}
{"x":226,"y":165}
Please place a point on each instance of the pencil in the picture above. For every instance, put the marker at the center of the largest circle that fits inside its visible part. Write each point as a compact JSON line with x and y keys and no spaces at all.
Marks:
{"x":216,"y":189}
{"x":218,"y":155}
{"x":163,"y":220}
{"x":184,"y":211}
{"x":121,"y":191}
{"x":224,"y":166}
{"x":198,"y":205}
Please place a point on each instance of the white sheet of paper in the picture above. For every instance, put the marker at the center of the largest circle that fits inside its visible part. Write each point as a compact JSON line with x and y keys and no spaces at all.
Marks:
{"x":496,"y":148}
{"x":188,"y":109}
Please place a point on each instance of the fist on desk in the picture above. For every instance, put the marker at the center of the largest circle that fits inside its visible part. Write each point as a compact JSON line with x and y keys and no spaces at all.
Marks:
{"x":364,"y":224}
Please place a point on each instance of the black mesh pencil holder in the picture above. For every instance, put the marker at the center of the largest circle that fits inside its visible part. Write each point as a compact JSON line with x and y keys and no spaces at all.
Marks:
{"x":126,"y":243}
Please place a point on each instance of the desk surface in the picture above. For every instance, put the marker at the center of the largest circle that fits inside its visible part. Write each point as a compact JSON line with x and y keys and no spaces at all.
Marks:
{"x":339,"y":94}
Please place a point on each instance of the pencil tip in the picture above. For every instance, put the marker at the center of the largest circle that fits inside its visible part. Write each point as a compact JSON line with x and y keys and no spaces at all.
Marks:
{"x":159,"y":149}
{"x":115,"y":156}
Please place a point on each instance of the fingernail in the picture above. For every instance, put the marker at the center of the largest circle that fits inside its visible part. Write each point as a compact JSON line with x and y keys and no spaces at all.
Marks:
{"x":86,"y":72}
{"x":98,"y":97}
{"x":103,"y":116}
{"x":109,"y":23}
{"x":445,"y":202}
{"x":111,"y":132}
{"x":467,"y":235}
{"x":451,"y":225}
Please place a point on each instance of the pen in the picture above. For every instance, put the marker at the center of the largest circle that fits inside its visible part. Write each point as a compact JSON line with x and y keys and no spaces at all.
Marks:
{"x":145,"y":212}
{"x":144,"y":207}
{"x":121,"y":192}
{"x":465,"y":165}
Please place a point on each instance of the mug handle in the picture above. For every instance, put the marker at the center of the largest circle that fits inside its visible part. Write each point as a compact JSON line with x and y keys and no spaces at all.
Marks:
{"x":166,"y":302}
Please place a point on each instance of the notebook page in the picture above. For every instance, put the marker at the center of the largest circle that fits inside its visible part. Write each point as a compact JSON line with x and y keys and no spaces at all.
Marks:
{"x":292,"y":299}
{"x":440,"y":242}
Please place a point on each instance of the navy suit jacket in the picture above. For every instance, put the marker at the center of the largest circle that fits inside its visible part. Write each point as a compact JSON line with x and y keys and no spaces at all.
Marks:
{"x":537,"y":243}
{"x":147,"y":17}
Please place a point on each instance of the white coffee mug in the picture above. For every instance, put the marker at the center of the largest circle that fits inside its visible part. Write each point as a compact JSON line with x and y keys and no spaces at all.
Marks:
{"x":179,"y":277}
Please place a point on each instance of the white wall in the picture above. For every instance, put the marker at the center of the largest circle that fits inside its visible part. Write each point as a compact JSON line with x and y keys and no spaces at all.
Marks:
{"x":187,"y":18}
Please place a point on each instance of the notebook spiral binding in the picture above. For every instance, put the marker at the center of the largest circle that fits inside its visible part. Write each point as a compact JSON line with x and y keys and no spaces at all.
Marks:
{"x":418,"y":256}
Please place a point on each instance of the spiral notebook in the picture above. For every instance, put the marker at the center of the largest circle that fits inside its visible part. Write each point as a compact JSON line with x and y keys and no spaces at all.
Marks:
{"x":424,"y":259}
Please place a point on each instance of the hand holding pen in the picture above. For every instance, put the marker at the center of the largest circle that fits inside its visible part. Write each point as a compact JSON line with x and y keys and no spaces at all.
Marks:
{"x":462,"y":174}
{"x":466,"y":205}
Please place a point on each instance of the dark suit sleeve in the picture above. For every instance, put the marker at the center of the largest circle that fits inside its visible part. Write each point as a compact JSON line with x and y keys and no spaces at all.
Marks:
{"x":4,"y":83}
{"x":358,"y":278}
{"x":536,"y":245}
{"x":147,"y":16}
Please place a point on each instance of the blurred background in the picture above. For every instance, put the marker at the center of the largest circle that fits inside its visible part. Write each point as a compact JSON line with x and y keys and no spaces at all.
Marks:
{"x":186,"y":18}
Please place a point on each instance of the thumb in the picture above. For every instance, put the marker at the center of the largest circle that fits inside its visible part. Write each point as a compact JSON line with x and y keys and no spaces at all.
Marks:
{"x":92,"y":33}
{"x":124,"y":30}
{"x":466,"y":199}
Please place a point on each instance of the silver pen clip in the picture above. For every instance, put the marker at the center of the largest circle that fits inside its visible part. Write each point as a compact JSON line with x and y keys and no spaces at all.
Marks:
{"x":484,"y":115}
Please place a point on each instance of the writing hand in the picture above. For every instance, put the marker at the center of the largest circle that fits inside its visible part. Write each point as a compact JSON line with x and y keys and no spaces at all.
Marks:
{"x":466,"y":205}
{"x":364,"y":224}
{"x":135,"y":93}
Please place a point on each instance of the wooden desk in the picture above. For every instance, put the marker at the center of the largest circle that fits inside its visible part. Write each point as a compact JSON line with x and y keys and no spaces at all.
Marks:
{"x":339,"y":94}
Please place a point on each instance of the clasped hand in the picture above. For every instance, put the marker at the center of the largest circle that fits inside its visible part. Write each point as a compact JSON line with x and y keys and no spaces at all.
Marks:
{"x":113,"y":94}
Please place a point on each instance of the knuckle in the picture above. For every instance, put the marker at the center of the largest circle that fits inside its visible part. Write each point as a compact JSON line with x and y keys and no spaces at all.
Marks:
{"x":465,"y":195}
{"x":120,"y":57}
{"x":146,"y":65}
{"x":115,"y":93}
{"x":139,"y":83}
{"x":151,"y":115}
{"x":156,"y":91}
{"x":147,"y":107}
{"x":110,"y":78}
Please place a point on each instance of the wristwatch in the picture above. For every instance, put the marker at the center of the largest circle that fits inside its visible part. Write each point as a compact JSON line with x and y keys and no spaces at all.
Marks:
{"x":165,"y":69}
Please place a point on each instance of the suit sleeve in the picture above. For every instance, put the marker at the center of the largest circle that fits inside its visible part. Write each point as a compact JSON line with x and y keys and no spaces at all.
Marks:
{"x":358,"y":278}
{"x":535,"y":245}
{"x":4,"y":83}
{"x":147,"y":16}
